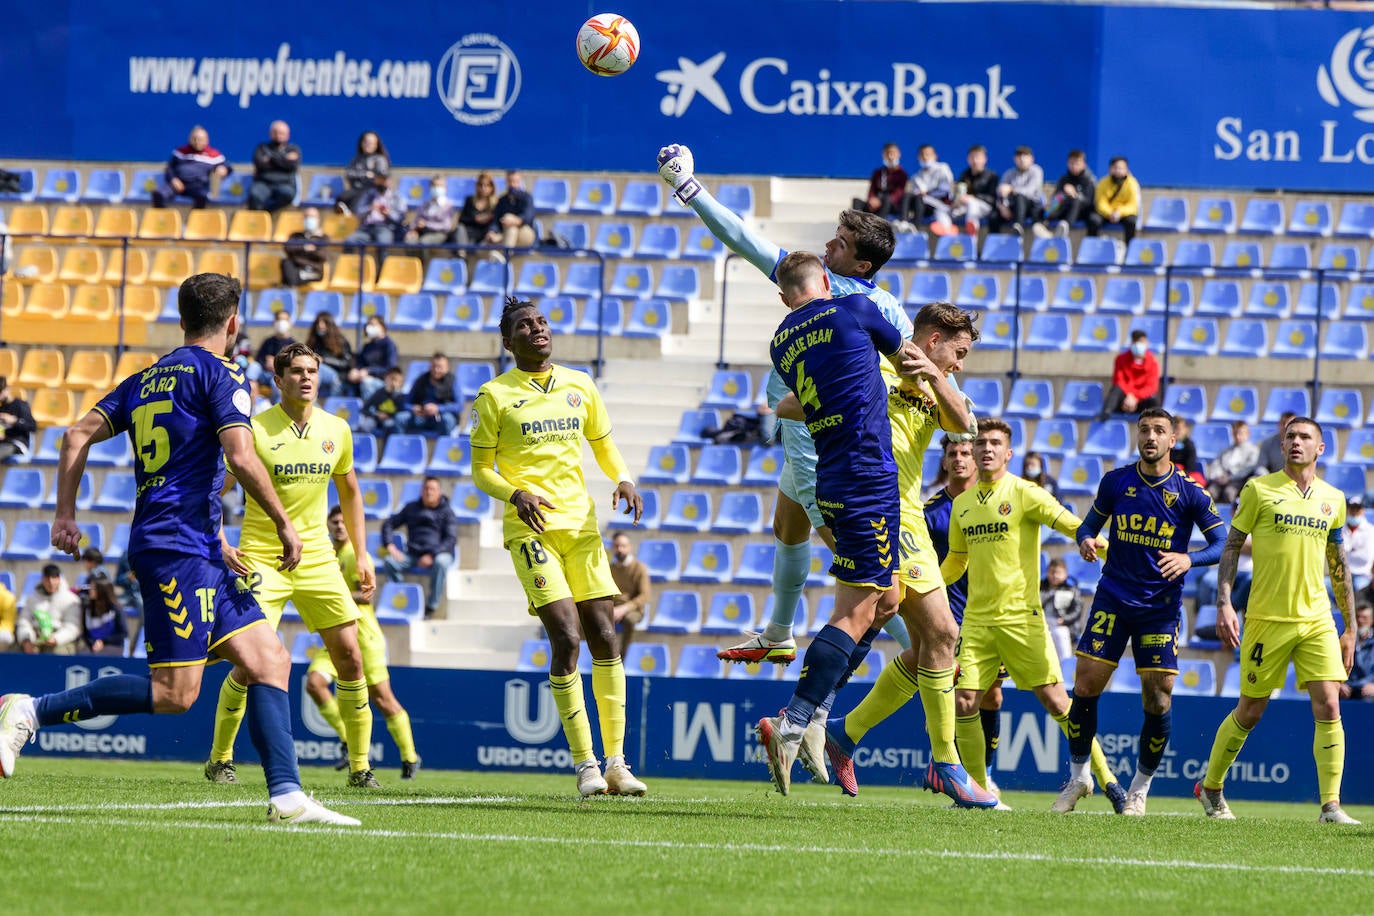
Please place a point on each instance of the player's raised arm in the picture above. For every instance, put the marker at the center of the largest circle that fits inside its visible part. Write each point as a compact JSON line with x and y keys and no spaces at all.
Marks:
{"x":676,"y":166}
{"x":71,"y":464}
{"x":244,"y":464}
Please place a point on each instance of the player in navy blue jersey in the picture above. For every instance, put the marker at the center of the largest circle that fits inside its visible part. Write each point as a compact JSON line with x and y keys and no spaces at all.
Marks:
{"x":188,"y":416}
{"x":1153,"y":509}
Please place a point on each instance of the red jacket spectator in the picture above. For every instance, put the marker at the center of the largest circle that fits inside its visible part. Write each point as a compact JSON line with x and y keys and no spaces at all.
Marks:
{"x":1139,"y":377}
{"x":886,"y":186}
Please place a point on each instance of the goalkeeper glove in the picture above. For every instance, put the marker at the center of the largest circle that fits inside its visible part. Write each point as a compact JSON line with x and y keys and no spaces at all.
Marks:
{"x":675,"y":165}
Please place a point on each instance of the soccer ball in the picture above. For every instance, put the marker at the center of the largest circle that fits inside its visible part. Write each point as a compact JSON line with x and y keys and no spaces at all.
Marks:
{"x":607,"y":44}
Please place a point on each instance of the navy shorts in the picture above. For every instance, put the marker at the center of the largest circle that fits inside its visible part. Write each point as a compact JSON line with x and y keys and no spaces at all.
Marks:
{"x":865,"y":515}
{"x":190,"y":606}
{"x":1153,"y":634}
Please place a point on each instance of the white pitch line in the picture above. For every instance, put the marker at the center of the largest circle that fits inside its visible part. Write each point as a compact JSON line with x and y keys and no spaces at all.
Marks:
{"x":709,"y":847}
{"x":254,"y":803}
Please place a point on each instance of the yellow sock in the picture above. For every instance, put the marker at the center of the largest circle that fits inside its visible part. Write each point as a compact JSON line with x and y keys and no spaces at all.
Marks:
{"x":567,"y":694}
{"x":608,"y":687}
{"x":1100,"y":768}
{"x":233,"y":701}
{"x":1328,"y":747}
{"x":399,"y":726}
{"x":330,"y":711}
{"x":894,"y":687}
{"x":972,"y":753}
{"x":1226,"y":746}
{"x":356,"y":714}
{"x":937,"y":699}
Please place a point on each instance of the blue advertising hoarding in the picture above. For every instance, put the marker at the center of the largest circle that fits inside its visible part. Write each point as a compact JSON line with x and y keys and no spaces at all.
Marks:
{"x":691,"y":728}
{"x":1225,"y":98}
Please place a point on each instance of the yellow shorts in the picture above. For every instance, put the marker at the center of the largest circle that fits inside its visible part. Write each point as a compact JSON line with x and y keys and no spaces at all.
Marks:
{"x":919,"y":570}
{"x":372,"y":645}
{"x":1266,"y":646}
{"x":321,"y":596}
{"x":562,"y":564}
{"x":1025,"y":648}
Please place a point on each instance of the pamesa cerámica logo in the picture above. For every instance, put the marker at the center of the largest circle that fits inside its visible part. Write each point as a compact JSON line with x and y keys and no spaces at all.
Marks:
{"x":478,"y":79}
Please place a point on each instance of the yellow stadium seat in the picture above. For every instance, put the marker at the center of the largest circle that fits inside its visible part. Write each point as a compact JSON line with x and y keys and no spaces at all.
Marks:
{"x":90,"y":369}
{"x":73,"y":221}
{"x":141,"y":303}
{"x":206,"y":225}
{"x":48,"y":300}
{"x":41,"y":259}
{"x":41,"y":368}
{"x":28,"y":220}
{"x":400,"y":274}
{"x":89,"y":398}
{"x":338,"y":225}
{"x":116,"y":223}
{"x":321,"y":283}
{"x":12,"y":301}
{"x":93,"y":303}
{"x":170,"y":267}
{"x":136,"y":269}
{"x":288,"y":221}
{"x":160,"y":223}
{"x":345,"y":279}
{"x":81,"y":264}
{"x":219,"y":262}
{"x":251,"y":226}
{"x":264,"y":269}
{"x":9,"y":362}
{"x":133,"y":361}
{"x":54,"y":407}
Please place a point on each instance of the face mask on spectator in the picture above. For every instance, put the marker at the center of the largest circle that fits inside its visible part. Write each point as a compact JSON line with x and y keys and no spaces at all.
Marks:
{"x":1138,"y":350}
{"x":438,"y":192}
{"x":892,"y":161}
{"x":1356,"y":521}
{"x":372,"y":331}
{"x":1032,"y":469}
{"x":282,"y":328}
{"x":312,"y":224}
{"x":1364,"y":632}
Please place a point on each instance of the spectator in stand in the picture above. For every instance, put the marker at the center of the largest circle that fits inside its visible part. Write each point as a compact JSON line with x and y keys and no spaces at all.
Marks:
{"x":51,"y":620}
{"x":275,"y":164}
{"x":513,"y":218}
{"x":1184,"y":453}
{"x":1271,"y":456}
{"x":479,"y":209}
{"x":1073,"y":197}
{"x":632,"y":578}
{"x":369,"y":161}
{"x":433,"y":401}
{"x":1360,"y":685}
{"x":1359,"y":543}
{"x":886,"y":186}
{"x":377,"y":356}
{"x":1236,"y":464}
{"x":1021,"y":194}
{"x":929,"y":192}
{"x":381,"y":216}
{"x":385,"y":405}
{"x":438,"y":217}
{"x":1034,"y":469}
{"x":1062,"y":606}
{"x":17,"y":424}
{"x":1135,"y":379}
{"x":189,"y":170}
{"x":431,"y":537}
{"x":1116,"y":201}
{"x":306,"y":251}
{"x":9,"y":609}
{"x":975,"y":193}
{"x":262,"y":368}
{"x":103,"y":629}
{"x":335,"y":352}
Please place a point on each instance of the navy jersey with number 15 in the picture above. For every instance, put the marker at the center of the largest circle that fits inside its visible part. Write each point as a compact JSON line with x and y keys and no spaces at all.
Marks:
{"x":174,"y":412}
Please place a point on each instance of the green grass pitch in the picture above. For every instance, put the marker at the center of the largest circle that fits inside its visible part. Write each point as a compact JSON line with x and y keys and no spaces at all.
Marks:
{"x":85,"y":836}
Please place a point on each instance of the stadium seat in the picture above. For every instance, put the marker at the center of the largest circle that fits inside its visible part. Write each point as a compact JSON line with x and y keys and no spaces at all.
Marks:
{"x":1053,"y":252}
{"x":730,"y":390}
{"x":756,"y":564}
{"x":693,"y":422}
{"x":594,"y":195}
{"x":1079,"y":400}
{"x":402,"y":455}
{"x":680,"y":283}
{"x":606,"y":316}
{"x":1214,"y":215}
{"x":490,"y":278}
{"x":116,"y":547}
{"x":1000,"y":249}
{"x":1267,"y":300}
{"x":583,"y":279}
{"x":22,"y":487}
{"x":400,"y":274}
{"x":376,"y":497}
{"x":534,"y":656}
{"x":1210,"y":439}
{"x":614,"y":239}
{"x":890,"y":282}
{"x":1179,"y":295}
{"x":1193,"y":257}
{"x":1167,"y":214}
{"x":821,"y":560}
{"x":977,"y":290}
{"x":702,"y":245}
{"x":1360,"y":302}
{"x":1310,"y":218}
{"x":1030,"y":398}
{"x":1295,"y":340}
{"x":364,"y":453}
{"x":667,"y":464}
{"x":1236,"y":402}
{"x":740,"y":512}
{"x":1029,"y":294}
{"x":764,"y":467}
{"x":1330,"y":303}
{"x":719,"y":465}
{"x":537,"y":278}
{"x":48,"y":301}
{"x":1079,"y":475}
{"x":1341,"y":408}
{"x":659,"y":240}
{"x":73,"y":222}
{"x":1350,"y":479}
{"x":998,"y":331}
{"x":104,"y":186}
{"x":1055,"y":437}
{"x":1196,"y":337}
{"x":206,"y":226}
{"x":560,"y":312}
{"x":28,"y":182}
{"x":470,"y":504}
{"x":647,"y":659}
{"x":1262,"y":216}
{"x":233,"y":190}
{"x":471,"y":375}
{"x":738,"y":198}
{"x":1247,"y":338}
{"x":575,"y":232}
{"x":1048,"y":332}
{"x":1122,"y":294}
{"x":415,"y":312}
{"x":1289,"y":260}
{"x":632,"y":281}
{"x":1146,"y":256}
{"x":985,"y":393}
{"x":93,"y":304}
{"x":30,"y":540}
{"x":1230,"y":684}
{"x":696,"y":660}
{"x":960,"y":249}
{"x":142,"y":185}
{"x":1339,"y":261}
{"x":663,"y":559}
{"x":752,"y":671}
{"x":117,"y":492}
{"x":1074,"y":294}
{"x":1188,"y":400}
{"x":452,"y":457}
{"x":649,"y":318}
{"x":90,"y":369}
{"x":399,"y":602}
{"x":1286,"y":400}
{"x":38,"y":263}
{"x":1220,"y":299}
{"x":446,"y":276}
{"x":688,"y":510}
{"x":1356,"y":220}
{"x":1359,"y":447}
{"x":1240,"y":258}
{"x":551,"y":195}
{"x":910,"y":247}
{"x":347,"y":409}
{"x":1346,"y":340}
{"x":1109,"y":439}
{"x":461,"y":313}
{"x":1099,"y":255}
{"x":709,"y":562}
{"x":730,"y":613}
{"x":48,"y":444}
{"x":53,"y":407}
{"x":927,"y":287}
{"x":642,"y":198}
{"x":323,"y":191}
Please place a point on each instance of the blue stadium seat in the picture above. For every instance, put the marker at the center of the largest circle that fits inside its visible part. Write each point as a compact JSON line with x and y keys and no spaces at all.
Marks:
{"x":1289,"y":260}
{"x":1079,"y":475}
{"x":730,"y":390}
{"x":119,"y":543}
{"x":960,"y":249}
{"x":693,"y":422}
{"x":1109,"y":439}
{"x":1187,"y":400}
{"x":361,"y":306}
{"x":537,"y":278}
{"x":49,"y":441}
{"x":679,"y":283}
{"x":649,"y":318}
{"x":1295,"y":340}
{"x":551,"y":195}
{"x":662,"y":558}
{"x":869,"y":668}
{"x":490,"y":278}
{"x":1074,"y":294}
{"x":667,"y":464}
{"x":1000,"y":249}
{"x":1080,"y":400}
{"x":141,"y":186}
{"x":985,"y":393}
{"x":1029,"y":293}
{"x":738,"y":198}
{"x":364,"y":453}
{"x":28,"y":182}
{"x":1152,"y":325}
{"x":1307,"y":304}
{"x":890,"y":282}
{"x":688,"y":510}
{"x":1220,"y":299}
{"x":1122,"y":294}
{"x":606,"y":316}
{"x":1030,"y":398}
{"x":1052,"y":251}
{"x":414,"y":191}
{"x":997,"y":331}
{"x":1350,"y":479}
{"x":110,"y":453}
{"x":1341,"y":408}
{"x":926,"y":287}
{"x":30,"y":540}
{"x":1346,"y":340}
{"x":649,"y":519}
{"x":702,"y":245}
{"x":347,"y":409}
{"x":1099,"y":254}
{"x":740,"y":512}
{"x":60,"y":185}
{"x":1241,"y":256}
{"x":615,"y":239}
{"x":1179,"y":293}
{"x":1193,"y":257}
{"x":104,"y":186}
{"x":324,"y":190}
{"x":1146,"y":256}
{"x":1126,"y":679}
{"x":575,"y":232}
{"x":415,"y":312}
{"x":977,"y":290}
{"x":1196,"y":337}
{"x":756,"y":564}
{"x":1236,"y":402}
{"x":1262,"y":216}
{"x":825,"y":607}
{"x":22,"y":488}
{"x":1055,"y":437}
{"x":631,"y":280}
{"x":659,"y":240}
{"x":1310,"y":218}
{"x":765,"y":465}
{"x":647,"y":659}
{"x":534,"y":656}
{"x":911,"y":246}
{"x":92,"y":534}
{"x":1215,"y":215}
{"x":1230,"y":683}
{"x":583,"y":279}
{"x":304,"y":647}
{"x":402,"y":455}
{"x":821,"y":560}
{"x":470,"y":504}
{"x":1210,"y":439}
{"x":1246,"y":337}
{"x":399,"y":602}
{"x":729,"y":613}
{"x":233,"y":190}
{"x":268,"y":303}
{"x":708,"y":561}
{"x":317,"y":302}
{"x":1359,"y":447}
{"x":1167,"y":214}
{"x":594,"y":195}
{"x":376,"y":497}
{"x":1048,"y":332}
{"x":697,"y":660}
{"x":719,"y":465}
{"x":642,"y":198}
{"x":1356,"y":221}
{"x":1283,"y":400}
{"x":471,"y":376}
{"x":560,"y":312}
{"x":1086,"y":574}
{"x":1340,"y":261}
{"x":1267,"y":299}
{"x":117,"y":493}
{"x":446,"y":276}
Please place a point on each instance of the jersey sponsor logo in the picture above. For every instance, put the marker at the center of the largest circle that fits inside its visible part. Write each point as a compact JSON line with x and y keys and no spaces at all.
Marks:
{"x":987,"y":528}
{"x":1155,"y":639}
{"x":301,"y":469}
{"x":1144,"y":530}
{"x":574,"y":399}
{"x":824,"y":423}
{"x":844,"y":562}
{"x":327,"y":446}
{"x":1291,"y":521}
{"x":553,"y":424}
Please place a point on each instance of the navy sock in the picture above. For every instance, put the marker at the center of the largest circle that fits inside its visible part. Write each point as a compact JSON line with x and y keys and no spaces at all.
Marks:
{"x":1154,"y":738}
{"x":825,"y":662}
{"x":117,"y":695}
{"x":992,"y":732}
{"x":269,"y":726}
{"x":856,"y":658}
{"x":1082,"y":727}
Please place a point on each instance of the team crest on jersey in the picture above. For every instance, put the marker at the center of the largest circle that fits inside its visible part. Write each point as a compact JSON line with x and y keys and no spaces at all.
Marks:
{"x":913,"y":572}
{"x":1170,"y":497}
{"x":574,"y":399}
{"x":540,"y":581}
{"x":1130,"y":492}
{"x":1098,"y":644}
{"x":327,"y":446}
{"x":1251,"y":677}
{"x":1326,"y":508}
{"x":1004,"y":509}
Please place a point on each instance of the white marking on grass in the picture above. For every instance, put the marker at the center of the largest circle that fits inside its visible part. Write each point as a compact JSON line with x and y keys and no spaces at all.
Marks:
{"x":770,"y":848}
{"x":255,"y":803}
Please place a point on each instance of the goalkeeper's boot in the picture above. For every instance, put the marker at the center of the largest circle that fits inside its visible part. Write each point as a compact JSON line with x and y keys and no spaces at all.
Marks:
{"x":18,"y":727}
{"x":759,"y":648}
{"x":310,"y":812}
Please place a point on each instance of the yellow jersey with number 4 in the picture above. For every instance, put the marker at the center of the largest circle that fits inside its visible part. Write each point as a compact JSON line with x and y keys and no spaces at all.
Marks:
{"x":1289,"y":529}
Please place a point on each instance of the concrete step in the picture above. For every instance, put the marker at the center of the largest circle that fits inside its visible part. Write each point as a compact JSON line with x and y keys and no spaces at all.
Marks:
{"x":505,"y":632}
{"x":466,"y":659}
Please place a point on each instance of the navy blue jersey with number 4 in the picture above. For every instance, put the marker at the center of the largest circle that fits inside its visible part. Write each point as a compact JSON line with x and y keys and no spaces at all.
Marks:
{"x":174,"y":412}
{"x":827,"y":352}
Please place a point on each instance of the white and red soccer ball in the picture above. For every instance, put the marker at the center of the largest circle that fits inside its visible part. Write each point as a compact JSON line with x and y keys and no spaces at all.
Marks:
{"x":607,"y":44}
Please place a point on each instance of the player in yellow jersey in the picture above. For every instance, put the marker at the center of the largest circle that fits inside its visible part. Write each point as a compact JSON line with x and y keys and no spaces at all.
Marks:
{"x":1294,"y":522}
{"x":303,"y":448}
{"x":372,"y":644}
{"x":531,"y":422}
{"x":994,"y":534}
